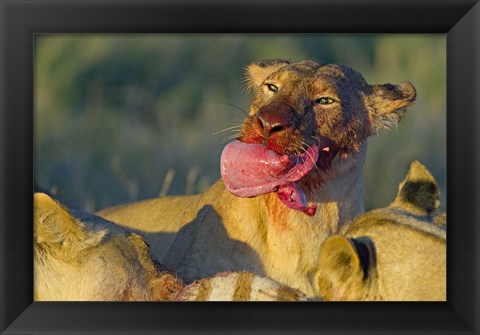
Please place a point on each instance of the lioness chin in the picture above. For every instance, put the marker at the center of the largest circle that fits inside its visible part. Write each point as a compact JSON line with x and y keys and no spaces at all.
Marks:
{"x":293,"y":177}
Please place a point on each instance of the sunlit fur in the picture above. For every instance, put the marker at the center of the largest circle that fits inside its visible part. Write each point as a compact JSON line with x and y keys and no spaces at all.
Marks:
{"x":90,"y":259}
{"x":199,"y":236}
{"x":81,"y":257}
{"x":397,"y":253}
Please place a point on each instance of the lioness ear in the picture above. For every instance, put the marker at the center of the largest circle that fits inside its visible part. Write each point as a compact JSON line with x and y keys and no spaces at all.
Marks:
{"x":344,"y":265}
{"x":339,"y":259}
{"x":418,"y":193}
{"x":54,"y":224}
{"x":256,"y":73}
{"x":387,"y":104}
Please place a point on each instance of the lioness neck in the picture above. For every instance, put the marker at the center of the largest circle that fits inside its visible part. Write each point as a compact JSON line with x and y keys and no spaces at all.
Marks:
{"x":298,"y":235}
{"x":343,"y":193}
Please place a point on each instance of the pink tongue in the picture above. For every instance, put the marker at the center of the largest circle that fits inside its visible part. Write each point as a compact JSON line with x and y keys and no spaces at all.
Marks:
{"x":293,"y":196}
{"x":249,"y":170}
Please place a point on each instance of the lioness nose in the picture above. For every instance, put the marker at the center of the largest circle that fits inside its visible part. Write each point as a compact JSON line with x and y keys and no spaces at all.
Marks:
{"x":275,"y":118}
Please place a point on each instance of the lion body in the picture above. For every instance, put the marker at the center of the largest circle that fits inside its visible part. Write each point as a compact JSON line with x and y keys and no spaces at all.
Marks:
{"x":397,"y":253}
{"x":263,"y":247}
{"x":201,"y":235}
{"x":216,"y":231}
{"x":81,"y":257}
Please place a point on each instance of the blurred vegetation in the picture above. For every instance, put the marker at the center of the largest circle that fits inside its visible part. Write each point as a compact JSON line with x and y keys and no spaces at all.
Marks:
{"x":119,"y":118}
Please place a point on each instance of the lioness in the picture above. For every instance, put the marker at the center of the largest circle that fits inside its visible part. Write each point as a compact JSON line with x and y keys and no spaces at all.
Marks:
{"x":397,"y":253}
{"x":81,"y":257}
{"x":90,"y":259}
{"x":293,"y":177}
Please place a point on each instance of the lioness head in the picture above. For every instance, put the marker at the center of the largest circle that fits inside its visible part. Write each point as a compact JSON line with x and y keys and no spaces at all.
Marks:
{"x":309,"y":118}
{"x":397,"y":253}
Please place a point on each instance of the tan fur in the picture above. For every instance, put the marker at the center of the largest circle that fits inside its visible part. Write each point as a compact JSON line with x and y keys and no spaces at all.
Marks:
{"x":397,"y":253}
{"x":86,"y":258}
{"x":205,"y":234}
{"x":93,"y":260}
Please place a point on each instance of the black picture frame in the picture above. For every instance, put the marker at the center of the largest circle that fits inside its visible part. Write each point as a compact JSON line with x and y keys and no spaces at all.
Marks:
{"x":21,"y":20}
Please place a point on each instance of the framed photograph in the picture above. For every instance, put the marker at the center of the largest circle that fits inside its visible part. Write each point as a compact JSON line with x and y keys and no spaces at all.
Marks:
{"x":60,"y":58}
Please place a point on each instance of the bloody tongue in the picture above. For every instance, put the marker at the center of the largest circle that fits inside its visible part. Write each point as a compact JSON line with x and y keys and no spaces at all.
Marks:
{"x":249,"y":170}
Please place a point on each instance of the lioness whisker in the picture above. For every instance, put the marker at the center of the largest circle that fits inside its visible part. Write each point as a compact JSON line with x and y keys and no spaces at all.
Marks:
{"x":233,"y":128}
{"x":317,"y":139}
{"x":237,"y":107}
{"x":231,"y":137}
{"x":305,"y":148}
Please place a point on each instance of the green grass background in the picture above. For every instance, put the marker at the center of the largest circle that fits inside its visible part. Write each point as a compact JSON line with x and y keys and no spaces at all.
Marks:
{"x":119,"y":118}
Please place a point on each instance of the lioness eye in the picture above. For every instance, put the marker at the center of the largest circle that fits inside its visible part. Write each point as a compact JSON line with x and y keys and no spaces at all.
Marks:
{"x":324,"y":101}
{"x":272,"y":87}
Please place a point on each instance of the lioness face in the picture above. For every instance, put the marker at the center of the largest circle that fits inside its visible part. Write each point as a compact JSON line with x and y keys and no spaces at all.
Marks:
{"x":297,"y":105}
{"x":308,"y":123}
